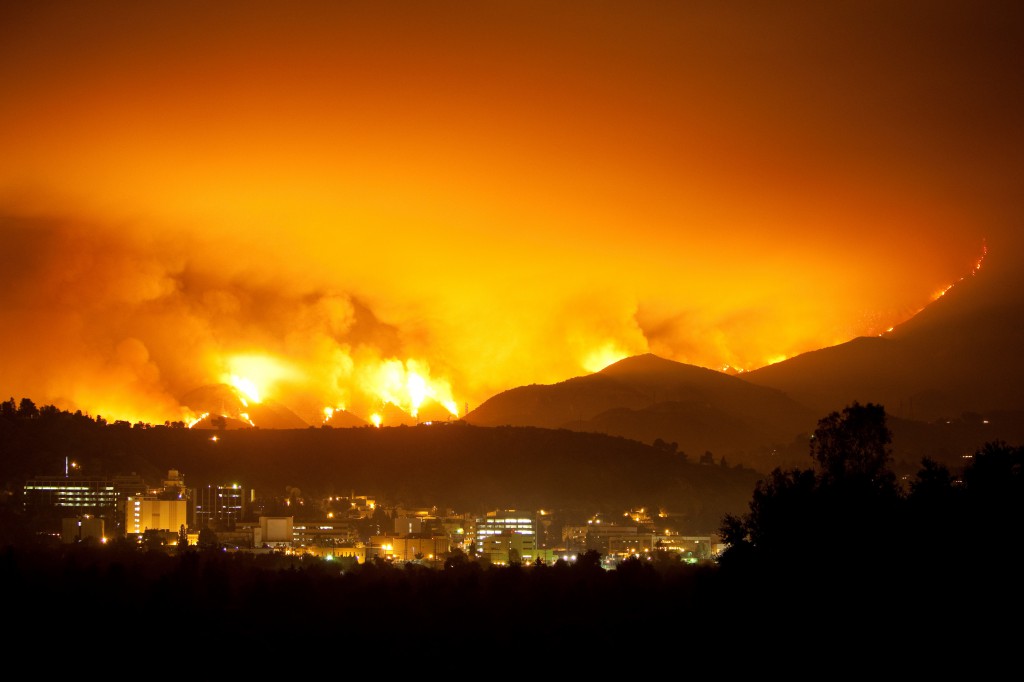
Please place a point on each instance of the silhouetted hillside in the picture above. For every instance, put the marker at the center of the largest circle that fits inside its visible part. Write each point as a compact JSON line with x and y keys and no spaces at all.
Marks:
{"x":647,"y":397}
{"x":960,"y":354}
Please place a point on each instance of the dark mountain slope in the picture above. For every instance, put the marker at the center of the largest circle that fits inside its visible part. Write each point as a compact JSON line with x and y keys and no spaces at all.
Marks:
{"x":960,"y":354}
{"x":647,"y":397}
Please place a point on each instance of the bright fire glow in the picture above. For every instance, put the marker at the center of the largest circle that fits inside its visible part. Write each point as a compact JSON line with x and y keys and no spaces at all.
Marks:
{"x":407,"y":385}
{"x":323,"y":239}
{"x":607,"y":354}
{"x":246,"y":386}
{"x":253,"y":375}
{"x":376,"y":419}
{"x":329,"y":412}
{"x":195,"y":420}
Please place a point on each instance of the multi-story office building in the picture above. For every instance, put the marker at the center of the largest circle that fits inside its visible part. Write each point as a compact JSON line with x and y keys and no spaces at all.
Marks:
{"x":48,"y":499}
{"x":219,"y":505}
{"x":500,"y":532}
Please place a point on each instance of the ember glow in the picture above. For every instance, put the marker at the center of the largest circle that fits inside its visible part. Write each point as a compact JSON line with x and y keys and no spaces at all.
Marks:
{"x":420,"y":207}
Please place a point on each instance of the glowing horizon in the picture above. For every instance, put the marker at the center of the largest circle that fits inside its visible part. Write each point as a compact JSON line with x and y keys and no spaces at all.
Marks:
{"x":355,"y":206}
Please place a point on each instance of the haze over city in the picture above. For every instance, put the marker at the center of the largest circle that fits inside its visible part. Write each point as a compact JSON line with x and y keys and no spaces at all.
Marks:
{"x":351,"y":205}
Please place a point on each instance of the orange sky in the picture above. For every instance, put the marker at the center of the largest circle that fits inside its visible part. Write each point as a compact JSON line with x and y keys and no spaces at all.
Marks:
{"x":488,"y":194}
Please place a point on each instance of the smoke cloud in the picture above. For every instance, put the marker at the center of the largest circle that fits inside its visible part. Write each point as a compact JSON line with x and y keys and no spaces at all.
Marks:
{"x":351,"y":205}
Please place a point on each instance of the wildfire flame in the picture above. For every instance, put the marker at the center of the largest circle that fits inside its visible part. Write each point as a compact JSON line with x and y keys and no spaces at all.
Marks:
{"x":376,"y":419}
{"x":407,"y":385}
{"x":247,"y":387}
{"x":607,"y":354}
{"x":192,"y":422}
{"x":974,"y":270}
{"x":329,"y":412}
{"x":251,"y":375}
{"x":939,"y":294}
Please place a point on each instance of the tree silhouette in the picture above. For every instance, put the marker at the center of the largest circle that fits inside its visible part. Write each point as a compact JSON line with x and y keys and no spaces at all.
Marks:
{"x":853,"y":445}
{"x":27,"y":409}
{"x":208,"y":539}
{"x":821,"y":516}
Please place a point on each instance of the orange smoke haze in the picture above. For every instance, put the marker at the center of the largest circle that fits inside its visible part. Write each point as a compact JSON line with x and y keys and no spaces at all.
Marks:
{"x":345,"y":205}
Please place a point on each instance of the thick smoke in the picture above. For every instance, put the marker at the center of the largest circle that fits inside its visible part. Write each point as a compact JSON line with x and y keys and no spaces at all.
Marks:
{"x":122,"y":323}
{"x":346,"y":206}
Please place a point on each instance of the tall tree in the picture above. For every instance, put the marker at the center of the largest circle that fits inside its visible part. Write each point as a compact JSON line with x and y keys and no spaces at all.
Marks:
{"x":853,"y":444}
{"x":825,"y":514}
{"x":27,"y":409}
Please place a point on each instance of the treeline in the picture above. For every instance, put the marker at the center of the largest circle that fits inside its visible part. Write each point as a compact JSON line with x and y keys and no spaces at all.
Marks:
{"x":25,"y":410}
{"x":238,"y":598}
{"x":844,"y":543}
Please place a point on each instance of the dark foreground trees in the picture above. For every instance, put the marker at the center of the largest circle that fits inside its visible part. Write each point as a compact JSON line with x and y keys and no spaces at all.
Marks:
{"x":837,"y":511}
{"x":841,"y":544}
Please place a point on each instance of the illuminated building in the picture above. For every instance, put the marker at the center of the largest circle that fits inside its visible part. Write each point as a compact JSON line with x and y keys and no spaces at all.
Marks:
{"x":352,"y":507}
{"x":323,"y":534}
{"x":356,"y":551}
{"x":500,"y":532}
{"x":508,"y":547}
{"x":48,"y":499}
{"x":219,"y":505}
{"x":410,"y":547}
{"x":144,"y":513}
{"x":174,"y":485}
{"x":607,"y":538}
{"x":690,"y":548}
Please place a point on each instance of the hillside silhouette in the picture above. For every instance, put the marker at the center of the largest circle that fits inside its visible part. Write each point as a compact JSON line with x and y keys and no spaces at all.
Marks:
{"x":960,"y":354}
{"x":648,"y":398}
{"x":949,"y":378}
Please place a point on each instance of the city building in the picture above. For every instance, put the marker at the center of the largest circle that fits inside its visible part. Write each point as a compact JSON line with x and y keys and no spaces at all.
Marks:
{"x":49,"y":499}
{"x":508,"y":547}
{"x":414,"y":547}
{"x":351,"y":507}
{"x":607,"y":538}
{"x":219,"y":506}
{"x":275,"y":531}
{"x":323,"y":533}
{"x":500,"y":532}
{"x":405,"y":525}
{"x":147,"y":512}
{"x":351,"y":552}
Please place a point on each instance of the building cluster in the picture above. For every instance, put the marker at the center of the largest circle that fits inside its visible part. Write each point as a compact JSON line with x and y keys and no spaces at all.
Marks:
{"x":353,"y":528}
